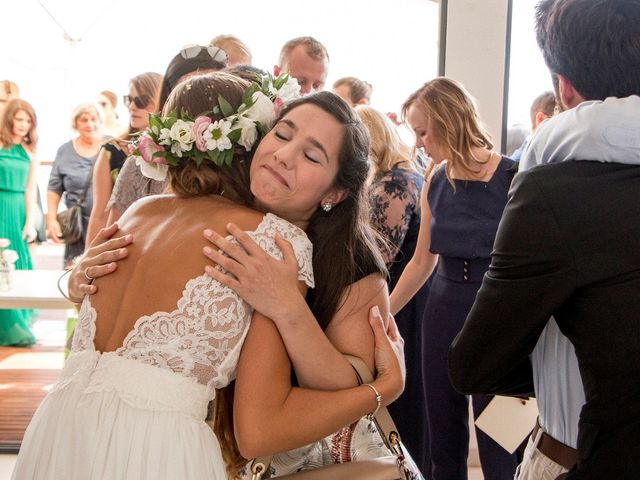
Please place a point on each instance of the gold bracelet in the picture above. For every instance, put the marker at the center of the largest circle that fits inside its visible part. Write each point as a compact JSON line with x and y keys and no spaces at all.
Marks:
{"x":378,"y":399}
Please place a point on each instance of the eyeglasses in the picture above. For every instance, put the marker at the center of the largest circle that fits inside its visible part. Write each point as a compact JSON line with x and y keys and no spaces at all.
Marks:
{"x":192,"y":51}
{"x":140,"y":102}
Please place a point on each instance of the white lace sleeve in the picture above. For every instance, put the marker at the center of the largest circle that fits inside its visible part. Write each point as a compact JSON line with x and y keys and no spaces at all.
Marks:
{"x":264,"y":236}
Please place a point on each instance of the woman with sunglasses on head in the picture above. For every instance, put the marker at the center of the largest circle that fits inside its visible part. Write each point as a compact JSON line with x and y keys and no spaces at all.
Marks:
{"x":160,"y":337}
{"x":141,"y":100}
{"x":131,"y":184}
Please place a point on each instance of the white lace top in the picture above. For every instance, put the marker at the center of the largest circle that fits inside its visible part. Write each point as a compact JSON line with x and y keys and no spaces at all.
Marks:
{"x":201,"y":339}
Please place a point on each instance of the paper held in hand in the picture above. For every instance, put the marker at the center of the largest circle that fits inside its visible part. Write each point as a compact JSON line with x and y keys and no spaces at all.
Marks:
{"x":508,"y":421}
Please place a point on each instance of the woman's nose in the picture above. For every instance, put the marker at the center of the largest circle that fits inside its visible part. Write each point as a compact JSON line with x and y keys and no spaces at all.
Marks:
{"x":285,"y":156}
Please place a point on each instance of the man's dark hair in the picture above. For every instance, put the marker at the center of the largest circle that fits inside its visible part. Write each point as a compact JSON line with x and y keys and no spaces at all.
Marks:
{"x":595,"y":44}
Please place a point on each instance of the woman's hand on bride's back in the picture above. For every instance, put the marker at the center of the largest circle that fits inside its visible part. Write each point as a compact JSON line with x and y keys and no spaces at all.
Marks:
{"x":389,"y":356}
{"x":99,"y":260}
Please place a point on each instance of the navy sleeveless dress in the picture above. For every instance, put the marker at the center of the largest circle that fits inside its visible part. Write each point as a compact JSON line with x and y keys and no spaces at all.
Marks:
{"x":463,"y":228}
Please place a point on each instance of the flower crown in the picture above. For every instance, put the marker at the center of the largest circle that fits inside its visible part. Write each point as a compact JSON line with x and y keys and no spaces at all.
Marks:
{"x":171,"y":139}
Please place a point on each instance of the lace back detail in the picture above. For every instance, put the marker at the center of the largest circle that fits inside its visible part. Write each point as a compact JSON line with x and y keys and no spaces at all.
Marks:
{"x":201,"y":339}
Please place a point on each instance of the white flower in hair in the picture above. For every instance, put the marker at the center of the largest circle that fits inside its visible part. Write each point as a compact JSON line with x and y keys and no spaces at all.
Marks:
{"x":217,"y":135}
{"x":288,"y":92}
{"x":262,"y":110}
{"x":248,"y":132}
{"x":155,"y":171}
{"x":182,"y":133}
{"x":164,"y":138}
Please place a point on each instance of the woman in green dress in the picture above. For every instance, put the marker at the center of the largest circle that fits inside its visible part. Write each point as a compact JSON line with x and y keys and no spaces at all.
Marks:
{"x":17,"y":199}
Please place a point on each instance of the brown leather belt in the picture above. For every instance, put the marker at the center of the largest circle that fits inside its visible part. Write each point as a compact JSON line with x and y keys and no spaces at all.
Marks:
{"x":555,"y":450}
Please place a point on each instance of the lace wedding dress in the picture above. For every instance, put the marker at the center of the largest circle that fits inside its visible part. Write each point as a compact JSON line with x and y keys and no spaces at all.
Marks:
{"x":138,"y":412}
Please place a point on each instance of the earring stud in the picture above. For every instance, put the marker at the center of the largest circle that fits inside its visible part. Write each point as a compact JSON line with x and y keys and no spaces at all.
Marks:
{"x":327,"y":206}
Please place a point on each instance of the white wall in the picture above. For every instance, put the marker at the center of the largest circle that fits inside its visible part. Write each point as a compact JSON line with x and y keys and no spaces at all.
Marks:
{"x":476,"y":36}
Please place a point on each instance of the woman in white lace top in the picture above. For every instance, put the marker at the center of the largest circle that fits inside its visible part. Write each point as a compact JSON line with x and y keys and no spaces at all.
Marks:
{"x":160,"y":338}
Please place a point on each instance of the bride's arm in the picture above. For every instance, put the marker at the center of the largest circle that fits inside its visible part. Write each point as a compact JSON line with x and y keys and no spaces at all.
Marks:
{"x":269,"y":285}
{"x":270,"y":416}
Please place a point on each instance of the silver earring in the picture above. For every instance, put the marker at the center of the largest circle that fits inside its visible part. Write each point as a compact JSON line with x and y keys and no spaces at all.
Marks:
{"x":326,"y":206}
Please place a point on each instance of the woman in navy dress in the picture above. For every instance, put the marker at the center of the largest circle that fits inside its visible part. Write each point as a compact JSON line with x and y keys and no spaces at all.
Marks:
{"x":462,"y":201}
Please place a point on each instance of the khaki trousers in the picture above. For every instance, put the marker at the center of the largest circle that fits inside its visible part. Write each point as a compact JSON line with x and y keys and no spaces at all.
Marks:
{"x":537,"y":466}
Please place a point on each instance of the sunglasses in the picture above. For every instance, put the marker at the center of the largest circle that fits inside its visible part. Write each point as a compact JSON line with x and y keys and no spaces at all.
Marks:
{"x":192,"y":51}
{"x":140,"y":102}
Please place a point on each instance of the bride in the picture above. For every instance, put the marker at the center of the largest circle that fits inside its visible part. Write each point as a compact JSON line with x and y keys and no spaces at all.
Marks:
{"x":155,"y":343}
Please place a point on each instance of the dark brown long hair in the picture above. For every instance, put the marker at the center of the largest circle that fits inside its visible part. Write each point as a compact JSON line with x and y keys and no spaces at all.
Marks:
{"x":344,"y":249}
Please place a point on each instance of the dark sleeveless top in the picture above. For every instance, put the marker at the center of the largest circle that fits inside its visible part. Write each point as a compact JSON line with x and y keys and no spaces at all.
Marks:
{"x":116,"y":159}
{"x":464,"y":221}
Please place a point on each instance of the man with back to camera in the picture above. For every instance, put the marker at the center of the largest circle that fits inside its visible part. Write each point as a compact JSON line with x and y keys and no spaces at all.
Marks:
{"x":568,"y":244}
{"x":307,"y":60}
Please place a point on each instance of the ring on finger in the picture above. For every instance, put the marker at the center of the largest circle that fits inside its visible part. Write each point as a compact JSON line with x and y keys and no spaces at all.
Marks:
{"x":86,"y":275}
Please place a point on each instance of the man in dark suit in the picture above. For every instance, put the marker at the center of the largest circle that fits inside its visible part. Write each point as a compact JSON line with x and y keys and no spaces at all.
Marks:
{"x":568,"y":244}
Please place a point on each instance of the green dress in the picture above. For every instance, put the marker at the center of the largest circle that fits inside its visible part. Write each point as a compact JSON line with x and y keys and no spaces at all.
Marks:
{"x":14,"y":170}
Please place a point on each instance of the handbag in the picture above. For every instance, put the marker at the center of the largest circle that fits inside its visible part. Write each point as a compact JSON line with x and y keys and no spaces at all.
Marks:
{"x":398,"y":465}
{"x":70,"y":220}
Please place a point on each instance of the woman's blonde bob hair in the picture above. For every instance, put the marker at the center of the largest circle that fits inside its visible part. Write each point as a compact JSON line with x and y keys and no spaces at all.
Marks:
{"x":386,"y":148}
{"x":454,"y":121}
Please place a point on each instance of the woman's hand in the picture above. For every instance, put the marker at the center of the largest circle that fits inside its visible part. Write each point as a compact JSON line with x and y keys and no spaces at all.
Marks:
{"x":99,"y":260}
{"x":270,"y":286}
{"x":29,"y":232}
{"x":53,"y":230}
{"x":389,"y":357}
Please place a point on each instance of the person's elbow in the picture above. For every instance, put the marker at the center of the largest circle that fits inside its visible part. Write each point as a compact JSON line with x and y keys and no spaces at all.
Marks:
{"x":464,"y":376}
{"x":253,"y":439}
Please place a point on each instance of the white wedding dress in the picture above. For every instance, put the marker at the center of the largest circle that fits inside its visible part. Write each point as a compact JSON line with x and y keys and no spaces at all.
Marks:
{"x":139,"y":412}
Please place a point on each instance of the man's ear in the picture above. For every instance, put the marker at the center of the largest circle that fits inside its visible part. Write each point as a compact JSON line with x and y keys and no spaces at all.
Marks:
{"x":540,"y":117}
{"x":362,"y":101}
{"x":569,"y":96}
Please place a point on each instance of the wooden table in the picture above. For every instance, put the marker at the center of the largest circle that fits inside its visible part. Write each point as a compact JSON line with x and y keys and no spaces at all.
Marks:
{"x":35,"y":289}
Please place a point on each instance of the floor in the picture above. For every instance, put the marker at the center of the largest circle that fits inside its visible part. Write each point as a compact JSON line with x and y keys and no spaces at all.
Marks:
{"x":49,"y":329}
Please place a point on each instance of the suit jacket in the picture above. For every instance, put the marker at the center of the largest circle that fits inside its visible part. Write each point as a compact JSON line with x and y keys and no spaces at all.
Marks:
{"x":568,"y":245}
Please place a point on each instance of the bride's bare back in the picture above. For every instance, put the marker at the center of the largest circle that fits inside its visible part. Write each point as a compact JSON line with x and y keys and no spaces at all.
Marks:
{"x":165,"y":254}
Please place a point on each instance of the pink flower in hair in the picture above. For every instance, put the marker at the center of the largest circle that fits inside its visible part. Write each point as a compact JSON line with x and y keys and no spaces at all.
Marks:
{"x":199,"y":127}
{"x":147,"y":148}
{"x":279,"y":104}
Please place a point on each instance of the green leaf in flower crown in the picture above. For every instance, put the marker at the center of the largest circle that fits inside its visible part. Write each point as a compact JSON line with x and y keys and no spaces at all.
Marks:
{"x":199,"y":156}
{"x":171,"y":160}
{"x":247,"y":98}
{"x":225,"y":107}
{"x":228,"y":157}
{"x":155,"y":121}
{"x":280,"y":81}
{"x":214,"y":156}
{"x":234,"y":135}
